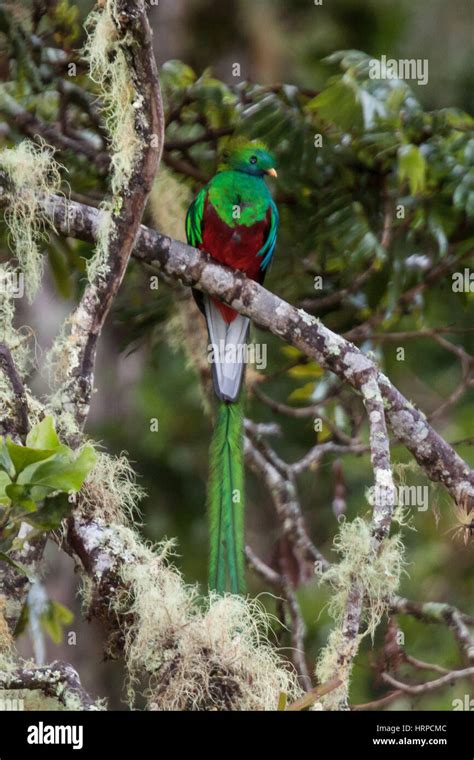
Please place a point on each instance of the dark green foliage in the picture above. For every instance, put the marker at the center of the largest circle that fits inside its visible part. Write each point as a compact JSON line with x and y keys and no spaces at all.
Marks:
{"x":35,"y":481}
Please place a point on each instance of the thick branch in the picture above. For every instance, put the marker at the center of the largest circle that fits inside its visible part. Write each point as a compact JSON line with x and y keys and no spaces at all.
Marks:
{"x":383,"y":504}
{"x":87,"y":321}
{"x":58,"y":680}
{"x":179,"y":261}
{"x":89,"y":318}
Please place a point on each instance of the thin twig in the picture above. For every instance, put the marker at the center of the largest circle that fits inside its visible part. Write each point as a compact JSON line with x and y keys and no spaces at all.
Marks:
{"x":425,"y":688}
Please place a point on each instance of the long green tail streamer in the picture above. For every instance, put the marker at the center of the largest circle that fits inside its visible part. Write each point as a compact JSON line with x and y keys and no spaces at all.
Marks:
{"x":226,"y":502}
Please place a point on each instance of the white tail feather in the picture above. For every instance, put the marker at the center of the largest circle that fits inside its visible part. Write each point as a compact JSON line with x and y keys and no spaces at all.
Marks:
{"x":228,"y":340}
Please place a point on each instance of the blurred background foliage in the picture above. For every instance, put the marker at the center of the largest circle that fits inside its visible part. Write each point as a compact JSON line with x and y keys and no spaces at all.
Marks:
{"x":383,"y":146}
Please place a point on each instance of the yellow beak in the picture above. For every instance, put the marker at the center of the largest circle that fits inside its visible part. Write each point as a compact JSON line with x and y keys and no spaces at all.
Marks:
{"x":271,"y":172}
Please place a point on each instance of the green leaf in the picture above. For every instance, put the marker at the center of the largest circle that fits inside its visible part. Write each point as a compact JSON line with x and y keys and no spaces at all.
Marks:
{"x":412,"y":167}
{"x":21,"y":497}
{"x":51,"y":514}
{"x":22,"y":621}
{"x":43,"y":435}
{"x":176,"y":74}
{"x":291,"y":352}
{"x":4,"y":482}
{"x":6,"y":464}
{"x":54,"y":619}
{"x":470,"y":204}
{"x":338,"y":104}
{"x":306,"y":371}
{"x":303,"y":394}
{"x":61,"y":472}
{"x":22,"y":456}
{"x":15,"y":492}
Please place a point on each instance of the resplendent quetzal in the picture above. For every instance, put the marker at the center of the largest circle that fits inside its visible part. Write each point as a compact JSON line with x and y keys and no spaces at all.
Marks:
{"x":235,"y":220}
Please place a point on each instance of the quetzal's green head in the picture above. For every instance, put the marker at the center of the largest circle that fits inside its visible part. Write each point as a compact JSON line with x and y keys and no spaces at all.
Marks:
{"x":248,"y":156}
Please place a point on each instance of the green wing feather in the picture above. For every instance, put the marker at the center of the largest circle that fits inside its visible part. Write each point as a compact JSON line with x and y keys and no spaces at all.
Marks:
{"x":194,"y":218}
{"x":226,"y":502}
{"x":268,"y":248}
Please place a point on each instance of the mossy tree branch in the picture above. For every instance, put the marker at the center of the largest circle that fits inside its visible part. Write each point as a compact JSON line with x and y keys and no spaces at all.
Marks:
{"x":58,"y":680}
{"x":383,"y":504}
{"x":133,"y":33}
{"x":177,"y":260}
{"x":14,"y":585}
{"x":189,"y":658}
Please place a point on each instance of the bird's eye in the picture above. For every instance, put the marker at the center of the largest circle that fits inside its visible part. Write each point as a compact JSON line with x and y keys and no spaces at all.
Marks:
{"x":253,"y":159}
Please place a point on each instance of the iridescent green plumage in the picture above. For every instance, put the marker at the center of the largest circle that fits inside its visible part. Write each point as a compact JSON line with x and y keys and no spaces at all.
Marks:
{"x":226,"y":502}
{"x":235,"y":220}
{"x":238,"y":179}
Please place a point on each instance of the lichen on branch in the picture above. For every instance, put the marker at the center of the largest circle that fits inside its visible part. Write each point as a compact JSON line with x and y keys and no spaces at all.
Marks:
{"x":363,"y":582}
{"x":121,"y":62}
{"x":32,"y":174}
{"x":106,"y":51}
{"x":191,"y":653}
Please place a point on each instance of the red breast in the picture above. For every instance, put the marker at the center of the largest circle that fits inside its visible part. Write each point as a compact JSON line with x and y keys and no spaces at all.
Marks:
{"x":237,"y":247}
